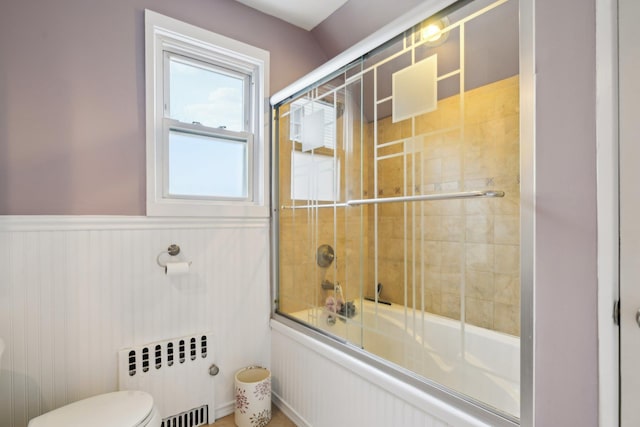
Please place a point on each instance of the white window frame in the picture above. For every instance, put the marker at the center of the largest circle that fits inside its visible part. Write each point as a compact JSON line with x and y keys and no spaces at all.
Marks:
{"x":194,"y":129}
{"x":166,"y":36}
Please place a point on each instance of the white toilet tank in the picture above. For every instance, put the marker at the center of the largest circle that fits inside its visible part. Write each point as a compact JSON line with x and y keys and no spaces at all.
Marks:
{"x":120,"y":408}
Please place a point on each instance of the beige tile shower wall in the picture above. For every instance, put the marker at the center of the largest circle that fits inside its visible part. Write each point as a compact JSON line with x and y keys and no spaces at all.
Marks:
{"x":296,"y":253}
{"x":458,"y":246}
{"x":303,"y":230}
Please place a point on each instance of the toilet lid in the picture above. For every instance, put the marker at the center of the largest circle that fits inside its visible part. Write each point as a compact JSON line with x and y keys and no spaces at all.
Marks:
{"x":120,"y":408}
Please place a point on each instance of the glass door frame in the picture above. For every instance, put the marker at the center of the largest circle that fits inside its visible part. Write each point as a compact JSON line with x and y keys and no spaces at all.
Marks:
{"x":527,"y":168}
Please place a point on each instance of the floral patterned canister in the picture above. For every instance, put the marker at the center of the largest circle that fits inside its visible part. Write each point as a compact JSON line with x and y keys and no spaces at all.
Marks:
{"x":253,"y":397}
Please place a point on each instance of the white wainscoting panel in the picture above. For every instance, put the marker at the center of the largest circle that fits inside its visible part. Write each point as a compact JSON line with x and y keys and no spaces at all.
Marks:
{"x":75,"y":290}
{"x":317,"y":385}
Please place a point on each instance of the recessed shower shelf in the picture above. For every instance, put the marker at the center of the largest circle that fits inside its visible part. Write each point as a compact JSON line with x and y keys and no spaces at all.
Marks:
{"x":418,"y":198}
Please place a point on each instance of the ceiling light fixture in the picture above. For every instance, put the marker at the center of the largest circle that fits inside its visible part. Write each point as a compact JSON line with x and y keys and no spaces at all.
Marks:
{"x":430,"y":32}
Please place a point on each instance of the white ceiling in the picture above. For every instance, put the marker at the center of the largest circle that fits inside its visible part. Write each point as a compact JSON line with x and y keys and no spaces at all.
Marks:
{"x":302,"y":13}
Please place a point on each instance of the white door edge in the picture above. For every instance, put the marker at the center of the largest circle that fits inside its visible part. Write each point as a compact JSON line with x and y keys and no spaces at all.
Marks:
{"x":608,"y":208}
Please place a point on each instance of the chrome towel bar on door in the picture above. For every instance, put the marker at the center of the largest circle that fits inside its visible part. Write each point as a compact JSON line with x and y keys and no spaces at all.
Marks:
{"x":418,"y":198}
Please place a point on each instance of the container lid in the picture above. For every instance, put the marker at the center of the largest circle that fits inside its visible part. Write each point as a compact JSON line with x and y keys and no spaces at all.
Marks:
{"x":120,"y":408}
{"x":252,"y":374}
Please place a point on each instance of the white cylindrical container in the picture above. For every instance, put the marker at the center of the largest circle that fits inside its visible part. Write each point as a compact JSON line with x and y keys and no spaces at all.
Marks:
{"x":253,"y":397}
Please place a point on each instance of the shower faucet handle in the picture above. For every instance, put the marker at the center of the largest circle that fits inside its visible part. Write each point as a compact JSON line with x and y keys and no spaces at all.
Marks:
{"x":327,"y":285}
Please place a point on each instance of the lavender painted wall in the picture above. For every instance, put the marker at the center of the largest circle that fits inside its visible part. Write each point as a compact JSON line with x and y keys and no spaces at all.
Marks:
{"x":357,"y":19}
{"x":72,"y":109}
{"x":566,"y":354}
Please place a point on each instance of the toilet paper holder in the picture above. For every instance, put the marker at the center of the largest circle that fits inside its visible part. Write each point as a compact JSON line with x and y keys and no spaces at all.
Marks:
{"x":172,"y":250}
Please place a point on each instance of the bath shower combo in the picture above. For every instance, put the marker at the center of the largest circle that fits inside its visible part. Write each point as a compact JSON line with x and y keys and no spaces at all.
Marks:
{"x":397,"y":206}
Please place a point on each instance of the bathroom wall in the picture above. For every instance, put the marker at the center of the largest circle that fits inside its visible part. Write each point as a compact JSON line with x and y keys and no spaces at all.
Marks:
{"x":72,"y":96}
{"x":75,"y":287}
{"x":448,"y":239}
{"x":565,"y":269}
{"x":76,"y":290}
{"x":344,"y":27}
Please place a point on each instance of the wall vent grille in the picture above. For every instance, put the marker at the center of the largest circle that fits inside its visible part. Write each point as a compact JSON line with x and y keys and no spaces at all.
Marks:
{"x":165,"y":353}
{"x":176,"y":373}
{"x":193,"y":418}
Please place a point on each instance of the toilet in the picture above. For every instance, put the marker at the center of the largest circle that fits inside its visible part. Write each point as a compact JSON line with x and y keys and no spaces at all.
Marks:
{"x":120,"y":408}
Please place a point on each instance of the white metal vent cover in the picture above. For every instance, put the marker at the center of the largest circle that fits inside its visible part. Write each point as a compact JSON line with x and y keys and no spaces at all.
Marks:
{"x":176,"y":373}
{"x":195,"y":417}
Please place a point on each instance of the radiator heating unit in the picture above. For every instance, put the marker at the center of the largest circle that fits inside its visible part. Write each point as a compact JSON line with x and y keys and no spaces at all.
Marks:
{"x":176,"y":373}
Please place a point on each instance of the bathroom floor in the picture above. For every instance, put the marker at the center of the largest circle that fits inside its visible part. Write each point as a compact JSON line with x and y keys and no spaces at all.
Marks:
{"x":278,"y":419}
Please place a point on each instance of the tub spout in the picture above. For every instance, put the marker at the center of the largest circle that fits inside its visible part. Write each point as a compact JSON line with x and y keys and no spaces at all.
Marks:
{"x":327,"y":285}
{"x":380,"y":301}
{"x":377,"y":297}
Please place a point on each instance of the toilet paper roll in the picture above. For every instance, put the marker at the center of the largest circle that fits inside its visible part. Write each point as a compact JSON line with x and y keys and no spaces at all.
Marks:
{"x":176,"y":268}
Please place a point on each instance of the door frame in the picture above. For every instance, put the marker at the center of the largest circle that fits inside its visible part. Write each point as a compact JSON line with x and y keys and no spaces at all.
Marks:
{"x":607,"y":209}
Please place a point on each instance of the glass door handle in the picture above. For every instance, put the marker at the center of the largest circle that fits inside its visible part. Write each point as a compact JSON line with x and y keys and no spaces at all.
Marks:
{"x":638,"y":317}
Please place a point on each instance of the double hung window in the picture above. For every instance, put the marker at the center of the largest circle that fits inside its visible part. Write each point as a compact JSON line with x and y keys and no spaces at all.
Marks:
{"x":206,"y":134}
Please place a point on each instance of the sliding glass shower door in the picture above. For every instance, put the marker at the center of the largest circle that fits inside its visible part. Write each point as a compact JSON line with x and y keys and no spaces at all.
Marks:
{"x":398,"y":210}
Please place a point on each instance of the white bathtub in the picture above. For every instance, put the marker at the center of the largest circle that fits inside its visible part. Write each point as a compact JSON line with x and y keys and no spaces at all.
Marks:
{"x":432,"y":346}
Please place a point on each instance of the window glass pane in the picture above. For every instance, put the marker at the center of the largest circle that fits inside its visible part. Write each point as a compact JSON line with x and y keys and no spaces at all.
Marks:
{"x":207,"y":166}
{"x":203,"y":94}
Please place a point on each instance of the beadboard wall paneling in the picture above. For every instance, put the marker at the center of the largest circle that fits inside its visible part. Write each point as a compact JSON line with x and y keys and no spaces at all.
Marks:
{"x":317,"y":385}
{"x":75,"y":290}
